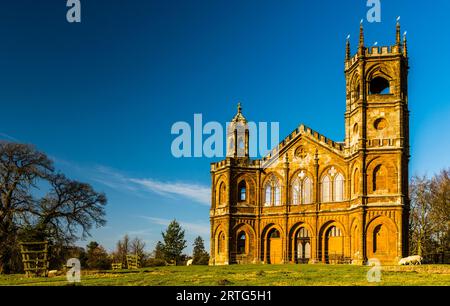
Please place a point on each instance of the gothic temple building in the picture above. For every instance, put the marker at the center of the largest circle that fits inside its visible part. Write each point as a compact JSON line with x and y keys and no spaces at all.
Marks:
{"x":316,"y":200}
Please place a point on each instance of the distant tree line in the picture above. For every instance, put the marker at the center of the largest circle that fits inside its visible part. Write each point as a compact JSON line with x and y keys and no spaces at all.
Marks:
{"x":168,"y":252}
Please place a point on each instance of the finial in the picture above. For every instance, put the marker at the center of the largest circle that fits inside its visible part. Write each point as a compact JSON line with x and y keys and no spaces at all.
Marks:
{"x":347,"y":48}
{"x":405,"y":47}
{"x":398,"y":38}
{"x":239,"y":107}
{"x":361,"y":34}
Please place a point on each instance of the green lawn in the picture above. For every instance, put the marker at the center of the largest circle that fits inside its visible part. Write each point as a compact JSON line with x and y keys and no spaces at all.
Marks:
{"x":259,"y":275}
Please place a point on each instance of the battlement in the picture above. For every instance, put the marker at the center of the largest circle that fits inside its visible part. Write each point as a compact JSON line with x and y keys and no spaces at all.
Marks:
{"x":398,"y":49}
{"x":232,"y":162}
{"x":376,"y":51}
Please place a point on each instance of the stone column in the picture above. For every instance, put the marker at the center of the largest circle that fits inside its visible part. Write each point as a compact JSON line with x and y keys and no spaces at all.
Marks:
{"x":228,"y":218}
{"x":287,"y":201}
{"x":258,"y":219}
{"x":315,"y":250}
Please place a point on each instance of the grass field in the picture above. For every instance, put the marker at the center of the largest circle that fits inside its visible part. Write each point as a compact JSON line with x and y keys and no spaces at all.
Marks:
{"x":258,"y":275}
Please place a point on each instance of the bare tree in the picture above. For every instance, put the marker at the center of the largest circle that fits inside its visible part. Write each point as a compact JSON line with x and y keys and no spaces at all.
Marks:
{"x":66,"y":212}
{"x":122,"y":249}
{"x":69,"y":207}
{"x":138,"y":248}
{"x":430,"y":215}
{"x":420,"y":224}
{"x":440,"y":213}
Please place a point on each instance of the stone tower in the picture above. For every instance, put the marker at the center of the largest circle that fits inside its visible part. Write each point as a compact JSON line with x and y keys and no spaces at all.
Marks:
{"x":316,"y":200}
{"x":377,"y":122}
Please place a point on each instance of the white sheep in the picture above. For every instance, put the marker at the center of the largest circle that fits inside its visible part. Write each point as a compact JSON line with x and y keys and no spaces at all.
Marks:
{"x":189,"y":262}
{"x":52,"y":273}
{"x":411,"y":260}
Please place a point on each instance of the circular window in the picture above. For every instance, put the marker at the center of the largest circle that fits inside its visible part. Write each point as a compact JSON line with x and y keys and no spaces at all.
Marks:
{"x":355,"y":128}
{"x":380,"y":124}
{"x":300,"y":152}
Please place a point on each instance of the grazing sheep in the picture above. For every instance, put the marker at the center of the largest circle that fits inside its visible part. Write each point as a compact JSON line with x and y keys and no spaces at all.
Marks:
{"x":415,"y":260}
{"x":411,"y":260}
{"x":189,"y":262}
{"x":52,"y":273}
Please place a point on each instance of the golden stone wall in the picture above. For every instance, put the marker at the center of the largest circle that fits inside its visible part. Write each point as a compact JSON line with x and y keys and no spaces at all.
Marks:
{"x":315,"y":200}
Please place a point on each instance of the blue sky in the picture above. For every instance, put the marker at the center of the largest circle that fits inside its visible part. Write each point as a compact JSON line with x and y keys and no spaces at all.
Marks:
{"x":100,"y":97}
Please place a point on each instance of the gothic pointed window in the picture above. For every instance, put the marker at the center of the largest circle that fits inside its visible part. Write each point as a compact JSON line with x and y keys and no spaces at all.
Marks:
{"x":379,"y":85}
{"x":326,"y":189}
{"x":272,"y":190}
{"x":221,"y":243}
{"x":356,"y":182}
{"x":242,"y":191}
{"x":379,"y":178}
{"x":334,"y":232}
{"x":241,"y":249}
{"x":222,"y":193}
{"x":277,"y":195}
{"x":380,"y":239}
{"x":338,"y":188}
{"x":268,"y":195}
{"x":301,"y":189}
{"x":296,"y":191}
{"x":306,"y":191}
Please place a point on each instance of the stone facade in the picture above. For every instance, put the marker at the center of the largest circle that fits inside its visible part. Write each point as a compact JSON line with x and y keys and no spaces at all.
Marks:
{"x":315,"y":200}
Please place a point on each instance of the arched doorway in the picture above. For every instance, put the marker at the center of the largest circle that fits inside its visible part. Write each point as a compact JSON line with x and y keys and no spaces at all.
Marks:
{"x":333,"y":245}
{"x":302,"y":246}
{"x":274,"y":247}
{"x":382,"y":237}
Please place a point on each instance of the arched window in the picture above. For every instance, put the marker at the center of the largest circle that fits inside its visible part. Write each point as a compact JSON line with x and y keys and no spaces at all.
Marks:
{"x":241,"y":143}
{"x":222,"y":193}
{"x":275,"y":234}
{"x":306,"y":191}
{"x":375,"y":237}
{"x":272,"y":192}
{"x":334,"y":232}
{"x":326,"y":189}
{"x":268,"y":196}
{"x":296,"y":191}
{"x":379,"y":85}
{"x":356,"y":182}
{"x":241,"y":249}
{"x":379,"y":178}
{"x":338,"y":188}
{"x":242,"y":191}
{"x":301,"y":189}
{"x":277,"y":196}
{"x":380,"y":239}
{"x":303,"y":233}
{"x":355,"y":95}
{"x":221,"y":243}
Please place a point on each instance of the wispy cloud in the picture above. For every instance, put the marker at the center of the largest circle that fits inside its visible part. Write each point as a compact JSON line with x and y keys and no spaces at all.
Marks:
{"x":191,"y":228}
{"x":117,"y":180}
{"x":8,"y":137}
{"x":196,"y":192}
